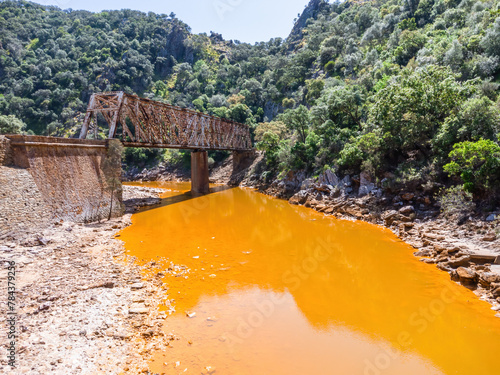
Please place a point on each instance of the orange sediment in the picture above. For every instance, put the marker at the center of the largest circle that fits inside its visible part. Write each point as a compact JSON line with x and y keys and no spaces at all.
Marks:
{"x":281,"y":289}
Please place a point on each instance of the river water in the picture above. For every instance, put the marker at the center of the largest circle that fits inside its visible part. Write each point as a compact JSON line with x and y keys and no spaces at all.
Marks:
{"x":281,"y":289}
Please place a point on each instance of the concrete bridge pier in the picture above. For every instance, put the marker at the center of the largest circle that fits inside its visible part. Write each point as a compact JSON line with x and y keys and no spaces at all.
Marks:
{"x":199,"y":172}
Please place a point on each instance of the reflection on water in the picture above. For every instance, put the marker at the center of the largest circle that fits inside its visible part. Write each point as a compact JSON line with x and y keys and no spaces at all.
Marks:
{"x":280,"y":289}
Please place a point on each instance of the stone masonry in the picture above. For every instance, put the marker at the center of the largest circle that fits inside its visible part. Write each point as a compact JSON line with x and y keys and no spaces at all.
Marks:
{"x":52,"y":178}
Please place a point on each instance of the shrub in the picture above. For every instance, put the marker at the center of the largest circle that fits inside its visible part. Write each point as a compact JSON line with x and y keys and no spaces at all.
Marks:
{"x":11,"y":125}
{"x":455,"y":201}
{"x":362,"y":153}
{"x":477,"y":164}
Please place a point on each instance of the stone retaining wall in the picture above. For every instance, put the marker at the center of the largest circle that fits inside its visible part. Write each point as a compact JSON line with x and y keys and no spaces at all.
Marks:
{"x":68,"y":175}
{"x":22,"y":208}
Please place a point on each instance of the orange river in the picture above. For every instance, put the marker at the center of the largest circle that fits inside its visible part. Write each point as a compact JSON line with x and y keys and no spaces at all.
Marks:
{"x":281,"y":289}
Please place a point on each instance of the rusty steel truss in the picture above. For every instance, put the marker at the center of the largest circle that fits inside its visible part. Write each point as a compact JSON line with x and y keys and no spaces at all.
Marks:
{"x":147,"y":123}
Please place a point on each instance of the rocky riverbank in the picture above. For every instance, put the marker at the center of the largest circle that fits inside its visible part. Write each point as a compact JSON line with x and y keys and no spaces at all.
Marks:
{"x":83,"y":305}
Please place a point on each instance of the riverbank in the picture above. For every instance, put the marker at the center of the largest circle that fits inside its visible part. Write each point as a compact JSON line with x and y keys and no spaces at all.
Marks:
{"x":83,"y":305}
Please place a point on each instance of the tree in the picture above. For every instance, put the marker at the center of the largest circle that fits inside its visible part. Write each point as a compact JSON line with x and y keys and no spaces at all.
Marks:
{"x":454,"y":57}
{"x":413,"y":105}
{"x":343,"y":105}
{"x":11,"y":125}
{"x":314,"y":88}
{"x":477,"y":118}
{"x":410,"y":42}
{"x":298,"y":121}
{"x":491,"y":41}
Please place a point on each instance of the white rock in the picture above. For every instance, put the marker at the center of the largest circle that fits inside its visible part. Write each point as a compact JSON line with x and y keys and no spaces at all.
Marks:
{"x":137,"y":286}
{"x":143,"y":310}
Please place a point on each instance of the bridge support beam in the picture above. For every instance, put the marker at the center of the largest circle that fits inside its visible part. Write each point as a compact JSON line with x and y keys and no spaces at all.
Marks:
{"x":199,"y":172}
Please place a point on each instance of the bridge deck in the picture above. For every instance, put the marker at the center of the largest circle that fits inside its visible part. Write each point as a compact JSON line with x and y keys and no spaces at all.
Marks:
{"x":140,"y":122}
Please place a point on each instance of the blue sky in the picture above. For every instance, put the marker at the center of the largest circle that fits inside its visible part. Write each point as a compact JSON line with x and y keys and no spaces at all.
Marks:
{"x":245,"y":20}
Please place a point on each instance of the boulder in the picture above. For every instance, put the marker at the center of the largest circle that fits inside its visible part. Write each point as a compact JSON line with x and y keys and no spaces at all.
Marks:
{"x":407,"y":196}
{"x":328,"y":178}
{"x":306,"y":184}
{"x":389,"y":216}
{"x":366,"y":186}
{"x":331,"y":178}
{"x":488,"y":278}
{"x":292,"y":182}
{"x":467,"y":276}
{"x":329,"y":210}
{"x":407,"y":210}
{"x":299,"y":198}
{"x":346,"y":182}
{"x":496,"y":292}
{"x":423,"y":253}
{"x":354,"y":211}
{"x":490,"y":237}
{"x":444,"y":267}
{"x":321,"y":207}
{"x":459,"y":262}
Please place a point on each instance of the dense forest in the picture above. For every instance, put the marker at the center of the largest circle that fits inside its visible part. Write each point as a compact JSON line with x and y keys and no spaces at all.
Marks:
{"x":404,"y":90}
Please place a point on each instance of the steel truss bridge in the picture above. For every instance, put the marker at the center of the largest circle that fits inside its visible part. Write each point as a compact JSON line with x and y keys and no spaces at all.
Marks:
{"x":140,"y":122}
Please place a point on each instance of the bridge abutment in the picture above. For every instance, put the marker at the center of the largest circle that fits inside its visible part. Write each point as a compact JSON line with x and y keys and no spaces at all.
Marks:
{"x":67,"y":173}
{"x":199,"y":172}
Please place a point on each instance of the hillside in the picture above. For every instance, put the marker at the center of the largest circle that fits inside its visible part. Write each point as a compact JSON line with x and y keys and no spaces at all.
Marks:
{"x":405,"y":91}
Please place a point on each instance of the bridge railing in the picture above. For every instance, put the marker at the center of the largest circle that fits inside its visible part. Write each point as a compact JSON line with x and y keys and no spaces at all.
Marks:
{"x":148,"y":123}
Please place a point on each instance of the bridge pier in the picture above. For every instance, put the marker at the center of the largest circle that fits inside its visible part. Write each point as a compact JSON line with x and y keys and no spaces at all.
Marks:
{"x":199,"y":172}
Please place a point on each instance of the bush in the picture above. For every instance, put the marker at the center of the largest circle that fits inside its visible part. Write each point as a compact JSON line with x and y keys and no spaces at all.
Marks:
{"x":11,"y":125}
{"x":409,"y":110}
{"x":362,"y":153}
{"x":477,"y":164}
{"x":269,"y":143}
{"x":177,"y":158}
{"x":455,"y":201}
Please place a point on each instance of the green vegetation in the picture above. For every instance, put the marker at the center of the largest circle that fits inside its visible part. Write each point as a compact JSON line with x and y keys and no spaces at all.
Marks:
{"x":11,"y":125}
{"x":455,"y":201}
{"x":477,"y":164}
{"x":393,"y":87}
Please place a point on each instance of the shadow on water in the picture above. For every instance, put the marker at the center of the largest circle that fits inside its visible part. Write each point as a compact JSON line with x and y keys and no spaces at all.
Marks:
{"x":174,"y":199}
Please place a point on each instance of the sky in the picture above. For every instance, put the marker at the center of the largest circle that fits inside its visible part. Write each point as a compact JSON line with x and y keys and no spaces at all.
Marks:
{"x":244,"y":20}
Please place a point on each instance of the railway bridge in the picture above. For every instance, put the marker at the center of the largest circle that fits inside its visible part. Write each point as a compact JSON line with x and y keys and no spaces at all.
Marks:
{"x":140,"y":122}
